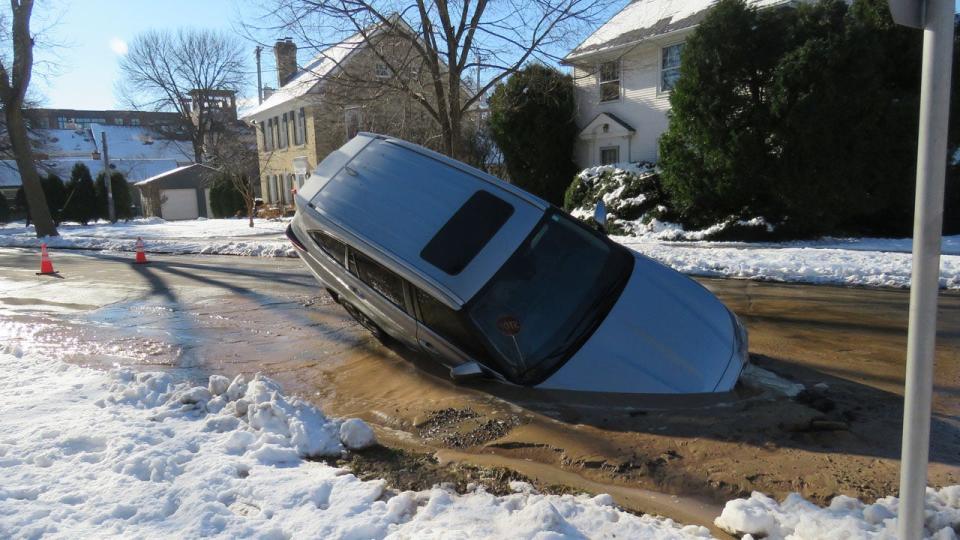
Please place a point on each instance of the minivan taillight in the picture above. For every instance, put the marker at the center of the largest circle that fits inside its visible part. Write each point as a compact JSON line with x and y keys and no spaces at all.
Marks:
{"x":293,"y":238}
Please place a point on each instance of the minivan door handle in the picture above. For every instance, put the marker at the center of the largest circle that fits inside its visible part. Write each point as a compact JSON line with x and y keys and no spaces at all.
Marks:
{"x":427,"y":344}
{"x":356,"y":291}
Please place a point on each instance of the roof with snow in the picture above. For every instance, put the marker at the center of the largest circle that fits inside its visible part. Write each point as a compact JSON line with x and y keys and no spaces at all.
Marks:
{"x":641,"y":20}
{"x":134,"y":170}
{"x":134,"y":142}
{"x":194,"y":171}
{"x":63,"y":142}
{"x":123,"y":142}
{"x":307,"y":79}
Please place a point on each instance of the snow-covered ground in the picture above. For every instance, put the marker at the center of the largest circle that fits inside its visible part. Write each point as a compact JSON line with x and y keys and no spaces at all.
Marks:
{"x":872,"y":262}
{"x":85,"y":453}
{"x":202,"y":236}
{"x":861,"y":262}
{"x":797,"y":519}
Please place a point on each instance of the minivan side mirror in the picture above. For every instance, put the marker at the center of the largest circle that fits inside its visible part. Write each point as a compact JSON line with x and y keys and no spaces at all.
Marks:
{"x":600,"y":215}
{"x":467,"y":371}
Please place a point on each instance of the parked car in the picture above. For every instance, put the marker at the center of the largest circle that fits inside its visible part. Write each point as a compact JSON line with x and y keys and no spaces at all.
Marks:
{"x":491,"y":280}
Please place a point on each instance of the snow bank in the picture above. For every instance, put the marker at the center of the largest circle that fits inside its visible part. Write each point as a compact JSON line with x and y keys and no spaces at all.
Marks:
{"x":870,"y":262}
{"x":85,"y":453}
{"x":798,"y":519}
{"x":793,"y":263}
{"x":201,"y":236}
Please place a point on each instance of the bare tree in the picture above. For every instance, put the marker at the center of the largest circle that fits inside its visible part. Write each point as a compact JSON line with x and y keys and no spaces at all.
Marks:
{"x":14,"y":81}
{"x":182,"y":71}
{"x":449,"y":39}
{"x":235,"y":156}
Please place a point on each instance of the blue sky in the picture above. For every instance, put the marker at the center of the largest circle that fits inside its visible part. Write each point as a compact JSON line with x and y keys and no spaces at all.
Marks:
{"x":94,"y":33}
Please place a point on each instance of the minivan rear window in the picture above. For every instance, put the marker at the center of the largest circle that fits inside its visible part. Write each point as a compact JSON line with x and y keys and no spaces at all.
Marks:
{"x":330,"y":245}
{"x":467,"y":232}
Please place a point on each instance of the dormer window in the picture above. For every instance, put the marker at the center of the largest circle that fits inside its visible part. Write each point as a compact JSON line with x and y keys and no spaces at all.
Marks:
{"x":610,"y":81}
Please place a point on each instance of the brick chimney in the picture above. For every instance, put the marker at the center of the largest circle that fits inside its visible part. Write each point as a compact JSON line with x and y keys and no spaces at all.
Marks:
{"x":286,"y":52}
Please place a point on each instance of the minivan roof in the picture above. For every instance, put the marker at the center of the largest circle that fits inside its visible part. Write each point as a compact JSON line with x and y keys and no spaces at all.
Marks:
{"x":394,"y":197}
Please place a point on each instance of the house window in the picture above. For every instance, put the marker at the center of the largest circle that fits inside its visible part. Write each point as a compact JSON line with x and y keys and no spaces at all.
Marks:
{"x":610,"y":155}
{"x":610,"y":81}
{"x":269,"y":142}
{"x":382,"y":71}
{"x":297,"y":128}
{"x":351,"y":119}
{"x":62,"y":122}
{"x":302,"y":120}
{"x":670,"y":66}
{"x":134,"y":121}
{"x":118,"y":121}
{"x":284,"y":131}
{"x":272,"y":184}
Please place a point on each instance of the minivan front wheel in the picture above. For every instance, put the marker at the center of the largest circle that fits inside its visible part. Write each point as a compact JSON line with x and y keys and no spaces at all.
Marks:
{"x":366,"y":322}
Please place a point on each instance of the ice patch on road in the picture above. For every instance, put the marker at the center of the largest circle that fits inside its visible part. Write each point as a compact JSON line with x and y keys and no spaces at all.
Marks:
{"x":765,"y":380}
{"x":798,"y":519}
{"x":85,"y":453}
{"x":869,"y":262}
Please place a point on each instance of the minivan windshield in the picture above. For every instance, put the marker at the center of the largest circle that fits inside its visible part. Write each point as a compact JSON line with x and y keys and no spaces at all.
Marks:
{"x":549,"y":297}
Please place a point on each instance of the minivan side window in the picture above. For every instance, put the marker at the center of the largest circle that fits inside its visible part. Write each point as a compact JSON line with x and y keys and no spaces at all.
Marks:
{"x":448,"y":324}
{"x":378,"y":277}
{"x":330,"y":245}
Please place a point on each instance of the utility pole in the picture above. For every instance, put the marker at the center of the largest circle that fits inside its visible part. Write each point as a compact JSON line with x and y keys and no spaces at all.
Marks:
{"x":256,"y":53}
{"x":480,"y":59}
{"x":936,"y":19}
{"x":111,"y":211}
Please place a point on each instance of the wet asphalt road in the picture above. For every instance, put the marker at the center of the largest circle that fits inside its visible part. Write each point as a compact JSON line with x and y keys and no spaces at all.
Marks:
{"x":198,"y":315}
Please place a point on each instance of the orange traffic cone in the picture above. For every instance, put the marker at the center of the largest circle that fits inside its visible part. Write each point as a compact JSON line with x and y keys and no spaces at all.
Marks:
{"x":141,"y":255}
{"x":46,"y":265}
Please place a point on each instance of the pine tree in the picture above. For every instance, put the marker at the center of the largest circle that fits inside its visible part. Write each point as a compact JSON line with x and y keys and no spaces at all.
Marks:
{"x":4,"y":209}
{"x":81,"y":203}
{"x":122,"y":203}
{"x":56,"y":195}
{"x":225,"y":199}
{"x":532,"y":121}
{"x":805,"y":115}
{"x":20,"y":202}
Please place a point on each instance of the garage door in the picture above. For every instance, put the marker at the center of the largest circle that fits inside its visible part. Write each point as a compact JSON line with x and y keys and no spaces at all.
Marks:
{"x":178,"y":204}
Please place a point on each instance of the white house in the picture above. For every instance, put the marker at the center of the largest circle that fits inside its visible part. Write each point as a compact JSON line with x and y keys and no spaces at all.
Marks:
{"x":624,"y":73}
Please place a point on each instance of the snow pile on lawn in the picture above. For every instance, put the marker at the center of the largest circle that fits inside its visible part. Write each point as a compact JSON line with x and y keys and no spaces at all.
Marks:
{"x":635,"y":204}
{"x":793,"y":264}
{"x":798,"y":519}
{"x":204,"y":236}
{"x":85,"y":453}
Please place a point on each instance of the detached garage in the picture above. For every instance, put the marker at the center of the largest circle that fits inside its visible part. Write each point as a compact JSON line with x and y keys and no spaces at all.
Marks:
{"x":182,"y":193}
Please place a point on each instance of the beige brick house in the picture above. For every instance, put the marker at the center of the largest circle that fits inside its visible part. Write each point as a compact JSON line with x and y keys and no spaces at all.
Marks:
{"x":317,"y":107}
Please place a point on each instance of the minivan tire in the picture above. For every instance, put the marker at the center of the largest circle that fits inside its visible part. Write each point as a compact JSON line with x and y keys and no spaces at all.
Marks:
{"x":333,"y":294}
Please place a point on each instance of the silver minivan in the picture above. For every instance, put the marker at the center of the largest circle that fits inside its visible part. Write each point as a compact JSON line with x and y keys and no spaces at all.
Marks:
{"x":491,"y":280}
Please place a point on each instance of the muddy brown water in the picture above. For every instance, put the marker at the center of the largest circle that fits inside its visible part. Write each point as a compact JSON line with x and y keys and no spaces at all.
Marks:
{"x":682,"y":458}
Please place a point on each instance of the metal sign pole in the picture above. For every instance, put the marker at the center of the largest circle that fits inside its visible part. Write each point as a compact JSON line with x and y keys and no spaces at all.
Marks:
{"x":937,"y":19}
